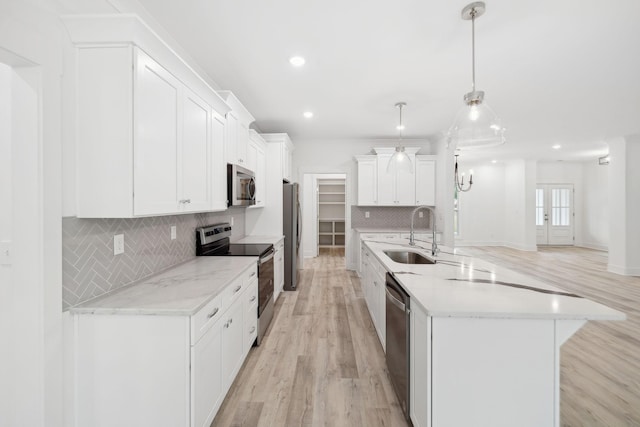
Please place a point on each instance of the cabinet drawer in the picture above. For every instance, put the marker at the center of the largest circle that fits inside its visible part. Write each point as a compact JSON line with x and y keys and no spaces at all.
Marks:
{"x":205,"y":318}
{"x":251,"y":293}
{"x":233,"y":291}
{"x":251,"y":325}
{"x":368,"y":236}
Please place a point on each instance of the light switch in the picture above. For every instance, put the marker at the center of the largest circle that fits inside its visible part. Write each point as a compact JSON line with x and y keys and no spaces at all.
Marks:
{"x":420,"y":214}
{"x":173,"y":232}
{"x":231,"y":222}
{"x":118,"y":244}
{"x":366,"y":214}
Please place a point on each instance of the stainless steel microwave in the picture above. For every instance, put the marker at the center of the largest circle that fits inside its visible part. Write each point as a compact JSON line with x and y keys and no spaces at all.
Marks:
{"x":241,"y":186}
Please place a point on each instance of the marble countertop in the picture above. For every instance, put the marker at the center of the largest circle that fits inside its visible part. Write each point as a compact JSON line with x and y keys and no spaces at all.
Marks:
{"x":260,"y":239}
{"x":178,"y":291}
{"x":464,"y":286}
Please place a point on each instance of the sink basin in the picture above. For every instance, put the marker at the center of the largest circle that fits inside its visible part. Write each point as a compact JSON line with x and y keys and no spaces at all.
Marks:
{"x":408,"y":257}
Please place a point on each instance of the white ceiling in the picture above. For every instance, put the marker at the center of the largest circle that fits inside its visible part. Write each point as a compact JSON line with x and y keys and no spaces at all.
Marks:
{"x":557,"y":72}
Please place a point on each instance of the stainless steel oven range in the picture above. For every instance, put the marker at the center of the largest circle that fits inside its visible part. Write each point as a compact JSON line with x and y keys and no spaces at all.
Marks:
{"x":213,"y":240}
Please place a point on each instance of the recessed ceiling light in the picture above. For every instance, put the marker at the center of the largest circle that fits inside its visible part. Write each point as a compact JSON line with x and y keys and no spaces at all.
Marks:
{"x":307,"y":114}
{"x":297,"y":61}
{"x":556,"y":147}
{"x":400,"y":127}
{"x":494,"y":161}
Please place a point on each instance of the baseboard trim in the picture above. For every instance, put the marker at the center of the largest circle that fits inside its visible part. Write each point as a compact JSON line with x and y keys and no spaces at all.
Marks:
{"x":623,"y":271}
{"x":593,"y":246}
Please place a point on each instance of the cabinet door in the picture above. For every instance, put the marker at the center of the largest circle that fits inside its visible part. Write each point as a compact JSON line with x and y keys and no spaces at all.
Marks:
{"x":252,"y":156}
{"x":206,"y":377}
{"x":195,"y":146}
{"x":386,"y":182}
{"x":419,"y":371}
{"x":406,"y":186}
{"x":261,"y":178}
{"x":156,"y":137}
{"x":218,"y":163}
{"x":231,"y":138}
{"x":279,"y":270}
{"x":232,"y":343}
{"x":242,"y":144}
{"x":367,"y":182}
{"x":425,"y":181}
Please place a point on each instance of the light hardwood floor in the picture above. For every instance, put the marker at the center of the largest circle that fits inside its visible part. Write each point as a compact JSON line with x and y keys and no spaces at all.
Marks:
{"x":600,"y":364}
{"x":321,"y":363}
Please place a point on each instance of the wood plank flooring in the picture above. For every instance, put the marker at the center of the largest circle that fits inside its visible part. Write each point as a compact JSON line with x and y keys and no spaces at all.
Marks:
{"x":321,"y":363}
{"x":600,"y":364}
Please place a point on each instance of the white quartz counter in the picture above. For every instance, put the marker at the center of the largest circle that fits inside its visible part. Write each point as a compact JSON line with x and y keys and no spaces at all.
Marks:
{"x":463,"y":286}
{"x":179,"y":291}
{"x":260,"y":239}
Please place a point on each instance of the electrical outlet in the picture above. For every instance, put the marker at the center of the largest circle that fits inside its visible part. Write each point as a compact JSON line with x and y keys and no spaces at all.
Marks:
{"x":366,"y":214}
{"x":231,"y":222}
{"x":118,"y":244}
{"x":173,"y":232}
{"x":5,"y":252}
{"x":420,"y":214}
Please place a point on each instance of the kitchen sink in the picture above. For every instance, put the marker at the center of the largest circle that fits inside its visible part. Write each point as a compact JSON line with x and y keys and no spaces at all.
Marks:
{"x":408,"y":257}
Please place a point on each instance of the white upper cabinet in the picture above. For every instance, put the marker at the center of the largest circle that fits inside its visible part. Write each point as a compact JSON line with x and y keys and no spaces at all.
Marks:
{"x":195,"y":154}
{"x":377,"y":187}
{"x":237,"y":130}
{"x":395,"y":188}
{"x":157,"y":138}
{"x":146,"y":139}
{"x":425,"y":180}
{"x":257,"y":162}
{"x":218,"y":164}
{"x":367,"y":180}
{"x":287,"y":160}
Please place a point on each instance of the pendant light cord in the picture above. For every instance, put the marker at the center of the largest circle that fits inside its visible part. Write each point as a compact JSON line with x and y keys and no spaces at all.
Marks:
{"x":473,"y":50}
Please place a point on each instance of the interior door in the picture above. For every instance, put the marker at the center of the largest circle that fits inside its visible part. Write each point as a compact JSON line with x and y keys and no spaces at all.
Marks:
{"x":554,"y":214}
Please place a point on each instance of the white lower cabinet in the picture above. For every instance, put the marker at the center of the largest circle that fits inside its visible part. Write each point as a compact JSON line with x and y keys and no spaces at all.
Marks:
{"x":164,"y":370}
{"x":278,"y":267}
{"x":207,"y":387}
{"x":373,"y":284}
{"x":419,"y":372}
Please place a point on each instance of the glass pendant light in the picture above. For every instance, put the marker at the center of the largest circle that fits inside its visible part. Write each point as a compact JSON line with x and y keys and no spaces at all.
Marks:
{"x":476,"y":125}
{"x":400,"y":161}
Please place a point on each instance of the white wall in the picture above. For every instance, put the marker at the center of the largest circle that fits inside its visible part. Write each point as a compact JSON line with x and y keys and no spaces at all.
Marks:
{"x":624,"y":206}
{"x":519,"y":229}
{"x":482,"y":209}
{"x":595,"y":206}
{"x":337,"y":156}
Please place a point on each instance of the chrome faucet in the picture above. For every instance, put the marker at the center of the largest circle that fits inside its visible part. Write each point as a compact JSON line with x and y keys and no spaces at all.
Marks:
{"x":434,"y":244}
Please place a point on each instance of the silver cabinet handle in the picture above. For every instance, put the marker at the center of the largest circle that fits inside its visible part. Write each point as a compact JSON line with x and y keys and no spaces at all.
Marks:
{"x":231,"y":320}
{"x":237,"y":289}
{"x":253,"y":329}
{"x":252,"y":274}
{"x":213,"y":313}
{"x":185,"y":201}
{"x":226,"y":325}
{"x":253,"y":298}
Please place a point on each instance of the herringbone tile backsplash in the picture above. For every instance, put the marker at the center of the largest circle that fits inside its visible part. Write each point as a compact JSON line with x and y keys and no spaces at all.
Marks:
{"x":90,"y":269}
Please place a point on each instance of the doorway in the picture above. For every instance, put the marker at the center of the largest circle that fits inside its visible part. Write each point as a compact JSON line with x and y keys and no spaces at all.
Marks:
{"x":555,"y":215}
{"x":325,"y":214}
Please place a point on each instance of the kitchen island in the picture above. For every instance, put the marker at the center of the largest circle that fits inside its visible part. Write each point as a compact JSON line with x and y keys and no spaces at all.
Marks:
{"x":485,"y":341}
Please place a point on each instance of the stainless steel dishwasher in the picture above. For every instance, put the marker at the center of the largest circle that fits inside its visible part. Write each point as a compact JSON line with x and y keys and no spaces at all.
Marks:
{"x":397,"y":339}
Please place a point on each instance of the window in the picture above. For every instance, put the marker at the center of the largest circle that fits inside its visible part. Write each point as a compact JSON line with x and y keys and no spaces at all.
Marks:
{"x":560,"y":207}
{"x":539,"y":206}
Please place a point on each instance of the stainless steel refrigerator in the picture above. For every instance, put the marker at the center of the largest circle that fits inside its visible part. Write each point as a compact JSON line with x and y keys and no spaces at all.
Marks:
{"x":292,"y":226}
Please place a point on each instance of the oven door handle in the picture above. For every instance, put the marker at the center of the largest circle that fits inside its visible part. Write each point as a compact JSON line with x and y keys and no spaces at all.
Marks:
{"x":268,"y":256}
